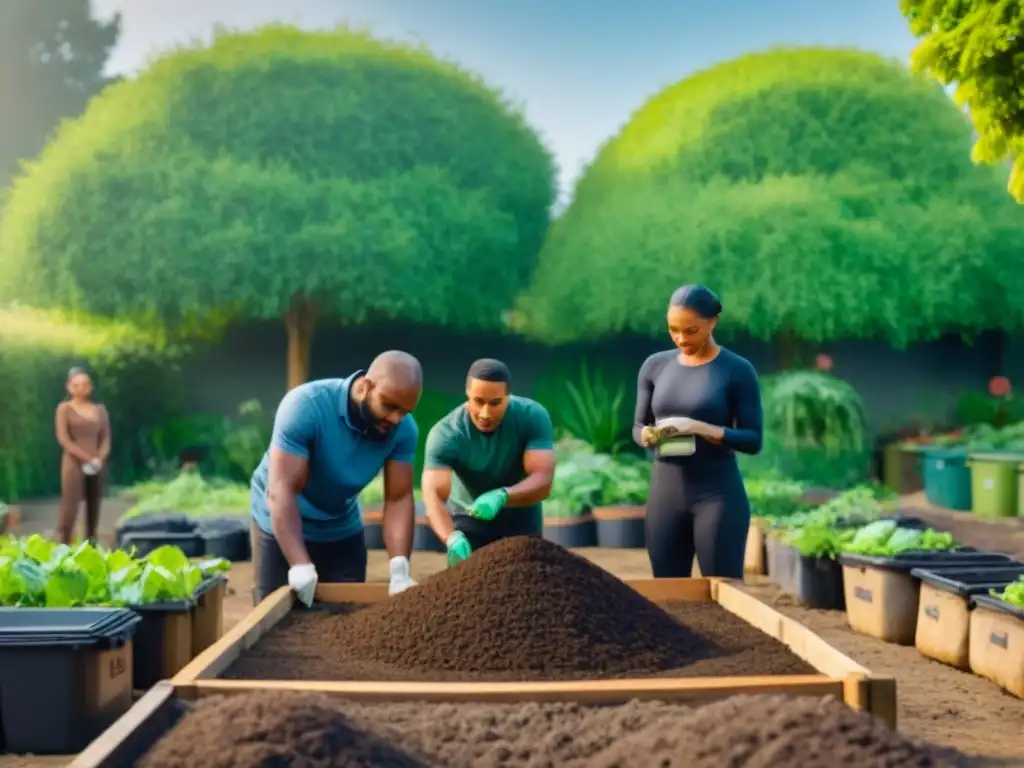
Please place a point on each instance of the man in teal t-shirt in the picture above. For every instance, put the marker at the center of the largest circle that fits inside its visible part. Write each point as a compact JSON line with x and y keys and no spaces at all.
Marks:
{"x":489,"y":464}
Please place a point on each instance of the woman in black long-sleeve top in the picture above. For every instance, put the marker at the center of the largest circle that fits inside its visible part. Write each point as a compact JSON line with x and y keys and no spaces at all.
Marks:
{"x":695,"y":406}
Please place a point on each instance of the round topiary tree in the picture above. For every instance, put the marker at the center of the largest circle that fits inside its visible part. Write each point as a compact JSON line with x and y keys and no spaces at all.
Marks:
{"x":285,"y":174}
{"x":825,"y":194}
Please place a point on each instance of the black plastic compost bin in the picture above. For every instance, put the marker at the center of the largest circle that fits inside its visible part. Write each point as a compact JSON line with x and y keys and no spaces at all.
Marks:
{"x":163,"y":639}
{"x":226,"y":537}
{"x":155,"y":522}
{"x":65,"y":676}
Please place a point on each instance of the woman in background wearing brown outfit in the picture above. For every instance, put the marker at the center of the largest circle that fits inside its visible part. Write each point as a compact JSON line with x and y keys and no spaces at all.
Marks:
{"x":83,"y":431}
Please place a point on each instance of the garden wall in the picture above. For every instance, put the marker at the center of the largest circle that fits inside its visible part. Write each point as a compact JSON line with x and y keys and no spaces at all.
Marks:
{"x":249,"y":363}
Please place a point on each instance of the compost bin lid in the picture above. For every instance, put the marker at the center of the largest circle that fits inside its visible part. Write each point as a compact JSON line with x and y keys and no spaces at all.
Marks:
{"x":975,"y":580}
{"x":40,"y":627}
{"x":996,"y":604}
{"x":907,"y":561}
{"x":996,"y":457}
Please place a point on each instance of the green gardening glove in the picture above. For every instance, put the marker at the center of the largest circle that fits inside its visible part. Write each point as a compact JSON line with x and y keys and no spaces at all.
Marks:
{"x":458,"y":548}
{"x":488,"y":505}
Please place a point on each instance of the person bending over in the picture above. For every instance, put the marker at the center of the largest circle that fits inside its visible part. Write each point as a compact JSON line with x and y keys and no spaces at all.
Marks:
{"x":695,"y":406}
{"x":331,"y":438}
{"x":492,"y":461}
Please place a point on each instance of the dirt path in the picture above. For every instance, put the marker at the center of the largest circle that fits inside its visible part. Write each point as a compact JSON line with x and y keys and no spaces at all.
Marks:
{"x":936,"y":703}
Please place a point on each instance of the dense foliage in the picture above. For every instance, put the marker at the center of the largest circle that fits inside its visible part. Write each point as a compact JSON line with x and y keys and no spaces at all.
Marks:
{"x":136,"y":376}
{"x":189,"y":494}
{"x":976,"y":47}
{"x":824,"y":194}
{"x":285,"y":174}
{"x":35,"y":572}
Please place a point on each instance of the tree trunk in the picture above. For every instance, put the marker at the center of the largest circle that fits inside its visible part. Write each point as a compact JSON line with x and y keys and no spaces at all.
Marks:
{"x":300,"y":321}
{"x":790,"y":351}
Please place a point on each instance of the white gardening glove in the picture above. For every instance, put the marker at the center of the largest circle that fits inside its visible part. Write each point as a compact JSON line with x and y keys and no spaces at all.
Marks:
{"x":302,"y":579}
{"x":400,"y":578}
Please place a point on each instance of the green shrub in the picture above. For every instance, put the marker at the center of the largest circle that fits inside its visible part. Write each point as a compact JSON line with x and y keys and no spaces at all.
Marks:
{"x":190,"y":494}
{"x":136,"y":376}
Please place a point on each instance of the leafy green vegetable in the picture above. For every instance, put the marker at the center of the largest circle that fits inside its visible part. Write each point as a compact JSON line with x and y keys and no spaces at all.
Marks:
{"x":37,"y":572}
{"x":849,"y":524}
{"x":189,"y":494}
{"x":1013,"y":593}
{"x":893,"y":540}
{"x":819,"y":539}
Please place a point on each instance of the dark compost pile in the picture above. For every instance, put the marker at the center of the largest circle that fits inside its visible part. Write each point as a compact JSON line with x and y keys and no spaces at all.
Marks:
{"x":312,"y":731}
{"x":520,"y":609}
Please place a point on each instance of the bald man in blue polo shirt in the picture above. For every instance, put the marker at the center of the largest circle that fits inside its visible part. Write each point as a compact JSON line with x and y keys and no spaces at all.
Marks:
{"x":331,"y":438}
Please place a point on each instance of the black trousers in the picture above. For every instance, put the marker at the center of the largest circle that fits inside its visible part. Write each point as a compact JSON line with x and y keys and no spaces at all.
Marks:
{"x":700,"y":509}
{"x":335,"y":561}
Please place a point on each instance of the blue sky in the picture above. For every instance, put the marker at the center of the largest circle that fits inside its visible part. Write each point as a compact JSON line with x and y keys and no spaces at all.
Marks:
{"x":580,"y":67}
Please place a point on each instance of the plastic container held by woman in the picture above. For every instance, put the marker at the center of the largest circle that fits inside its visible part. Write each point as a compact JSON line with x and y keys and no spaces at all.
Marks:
{"x":882,"y":595}
{"x":947,"y":479}
{"x":994,"y":483}
{"x":65,"y":676}
{"x":997,"y":643}
{"x":944,"y":616}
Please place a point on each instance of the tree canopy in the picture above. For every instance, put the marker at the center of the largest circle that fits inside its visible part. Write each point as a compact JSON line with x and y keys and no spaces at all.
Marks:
{"x":286,"y":174}
{"x":52,"y":56}
{"x":824,"y":194}
{"x":977,"y":46}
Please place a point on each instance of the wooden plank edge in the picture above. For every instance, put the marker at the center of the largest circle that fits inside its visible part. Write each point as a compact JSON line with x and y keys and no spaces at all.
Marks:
{"x":874,"y":695}
{"x":588,"y":691}
{"x":672,"y":590}
{"x":103,"y":747}
{"x":803,"y":641}
{"x":219,"y":656}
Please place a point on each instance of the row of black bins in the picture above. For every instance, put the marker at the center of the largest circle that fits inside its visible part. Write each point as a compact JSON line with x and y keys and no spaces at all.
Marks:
{"x":67,"y":674}
{"x":226,"y":537}
{"x":818,"y":581}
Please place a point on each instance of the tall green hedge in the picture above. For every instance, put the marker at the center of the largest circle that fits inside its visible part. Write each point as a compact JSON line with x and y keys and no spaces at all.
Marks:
{"x":136,"y":375}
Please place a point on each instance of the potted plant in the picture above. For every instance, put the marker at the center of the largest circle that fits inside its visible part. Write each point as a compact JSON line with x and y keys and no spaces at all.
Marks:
{"x":567,"y":518}
{"x":619,"y":512}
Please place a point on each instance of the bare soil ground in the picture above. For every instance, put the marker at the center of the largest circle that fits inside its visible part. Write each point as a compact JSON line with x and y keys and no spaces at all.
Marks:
{"x":937,"y":703}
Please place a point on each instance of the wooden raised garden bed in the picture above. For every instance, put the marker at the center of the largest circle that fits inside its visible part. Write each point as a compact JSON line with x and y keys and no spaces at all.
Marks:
{"x":839,"y":676}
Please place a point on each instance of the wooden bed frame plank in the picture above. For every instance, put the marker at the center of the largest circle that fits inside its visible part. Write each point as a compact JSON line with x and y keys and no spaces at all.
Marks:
{"x":581,"y":691}
{"x":841,"y":676}
{"x":798,"y":638}
{"x":846,"y":678}
{"x":240,"y":638}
